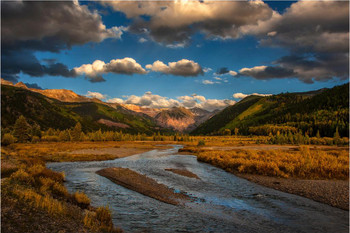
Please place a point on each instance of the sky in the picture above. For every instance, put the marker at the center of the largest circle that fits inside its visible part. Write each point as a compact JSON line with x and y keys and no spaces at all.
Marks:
{"x":176,"y":53}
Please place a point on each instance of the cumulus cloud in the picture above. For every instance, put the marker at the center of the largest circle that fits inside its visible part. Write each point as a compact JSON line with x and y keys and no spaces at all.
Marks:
{"x":233,"y":73}
{"x":320,"y":68}
{"x":174,"y":22}
{"x":183,"y":67}
{"x":242,"y":96}
{"x":266,"y":72}
{"x":95,"y":70}
{"x":142,"y":40}
{"x":27,"y":27}
{"x":151,"y":100}
{"x":321,"y":43}
{"x":301,"y":28}
{"x":208,"y":82}
{"x":207,"y":69}
{"x":115,"y":101}
{"x":96,"y":95}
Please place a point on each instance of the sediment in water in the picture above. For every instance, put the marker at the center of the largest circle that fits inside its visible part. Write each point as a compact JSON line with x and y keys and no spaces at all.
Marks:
{"x":143,"y":184}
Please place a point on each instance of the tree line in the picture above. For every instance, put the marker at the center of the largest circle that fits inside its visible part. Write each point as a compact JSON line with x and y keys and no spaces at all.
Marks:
{"x":23,"y":132}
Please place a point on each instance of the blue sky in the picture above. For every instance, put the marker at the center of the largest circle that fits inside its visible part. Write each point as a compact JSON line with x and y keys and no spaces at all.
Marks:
{"x":205,"y":48}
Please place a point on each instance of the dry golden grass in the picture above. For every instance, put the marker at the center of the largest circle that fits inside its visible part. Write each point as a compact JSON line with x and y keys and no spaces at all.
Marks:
{"x":61,"y":151}
{"x":304,"y":163}
{"x":34,"y":186}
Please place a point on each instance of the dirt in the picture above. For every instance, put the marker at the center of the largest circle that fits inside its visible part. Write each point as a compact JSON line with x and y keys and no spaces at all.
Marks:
{"x":143,"y":184}
{"x":331,"y":192}
{"x":182,"y":172}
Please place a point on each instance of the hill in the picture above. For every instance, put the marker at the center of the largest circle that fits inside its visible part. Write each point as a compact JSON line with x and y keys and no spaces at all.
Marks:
{"x":323,"y":110}
{"x":52,"y":113}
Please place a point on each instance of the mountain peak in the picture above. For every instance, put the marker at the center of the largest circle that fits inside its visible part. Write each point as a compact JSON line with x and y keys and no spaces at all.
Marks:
{"x":21,"y":85}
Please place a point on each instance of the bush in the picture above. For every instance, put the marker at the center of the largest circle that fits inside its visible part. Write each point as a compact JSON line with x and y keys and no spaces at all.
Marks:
{"x":35,"y":139}
{"x":81,"y":199}
{"x":201,"y":143}
{"x":7,"y":139}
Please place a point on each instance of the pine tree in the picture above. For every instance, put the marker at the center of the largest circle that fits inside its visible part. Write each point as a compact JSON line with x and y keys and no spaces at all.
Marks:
{"x":21,"y":129}
{"x":318,"y":134}
{"x":36,"y":131}
{"x":76,"y":132}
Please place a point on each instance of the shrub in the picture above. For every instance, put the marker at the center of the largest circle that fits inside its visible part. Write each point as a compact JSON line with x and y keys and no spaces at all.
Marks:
{"x":21,"y":176}
{"x":81,"y":199}
{"x":201,"y":143}
{"x":35,"y":139}
{"x":7,"y":139}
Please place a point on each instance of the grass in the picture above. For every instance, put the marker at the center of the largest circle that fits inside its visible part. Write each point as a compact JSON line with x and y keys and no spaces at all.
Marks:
{"x":32,"y":189}
{"x":304,"y":163}
{"x":61,"y":151}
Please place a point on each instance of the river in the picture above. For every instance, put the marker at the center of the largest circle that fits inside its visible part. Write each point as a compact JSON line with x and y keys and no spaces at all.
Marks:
{"x":224,"y":202}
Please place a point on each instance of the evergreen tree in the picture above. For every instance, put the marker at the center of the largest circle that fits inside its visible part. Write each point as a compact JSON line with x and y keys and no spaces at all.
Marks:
{"x":76,"y":132}
{"x":21,"y":129}
{"x":36,"y":131}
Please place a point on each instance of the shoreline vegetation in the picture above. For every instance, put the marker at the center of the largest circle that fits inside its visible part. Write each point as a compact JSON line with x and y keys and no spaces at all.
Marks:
{"x":320,"y":173}
{"x":143,"y":184}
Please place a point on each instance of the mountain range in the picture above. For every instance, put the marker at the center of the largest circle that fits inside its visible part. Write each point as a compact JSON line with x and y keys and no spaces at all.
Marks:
{"x":67,"y":108}
{"x":323,"y":111}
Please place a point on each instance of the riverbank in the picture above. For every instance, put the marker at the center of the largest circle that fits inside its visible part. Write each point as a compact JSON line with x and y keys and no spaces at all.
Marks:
{"x":35,"y":199}
{"x":78,"y":151}
{"x":331,"y":192}
{"x":319,"y":173}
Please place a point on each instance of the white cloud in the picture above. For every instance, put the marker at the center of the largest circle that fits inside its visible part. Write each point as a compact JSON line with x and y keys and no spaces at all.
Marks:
{"x":183,"y":67}
{"x":208,"y":82}
{"x":233,"y":73}
{"x":207,"y":69}
{"x":115,"y":101}
{"x":217,"y":78}
{"x":150,"y":100}
{"x":119,"y":66}
{"x":96,"y":95}
{"x":242,"y":96}
{"x":142,"y":40}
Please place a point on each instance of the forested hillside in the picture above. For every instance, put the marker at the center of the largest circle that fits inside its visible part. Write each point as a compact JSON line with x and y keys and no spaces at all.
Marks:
{"x":50,"y":113}
{"x":319,"y":113}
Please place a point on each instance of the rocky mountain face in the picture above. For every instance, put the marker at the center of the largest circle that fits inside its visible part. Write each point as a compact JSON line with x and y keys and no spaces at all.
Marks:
{"x":152,"y":112}
{"x":176,"y":118}
{"x":182,"y":119}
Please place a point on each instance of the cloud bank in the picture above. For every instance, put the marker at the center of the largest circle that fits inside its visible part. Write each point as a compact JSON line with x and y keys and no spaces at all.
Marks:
{"x":151,"y":100}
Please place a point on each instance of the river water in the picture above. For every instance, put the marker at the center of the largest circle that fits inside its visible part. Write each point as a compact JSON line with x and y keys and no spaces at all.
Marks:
{"x":224,"y":202}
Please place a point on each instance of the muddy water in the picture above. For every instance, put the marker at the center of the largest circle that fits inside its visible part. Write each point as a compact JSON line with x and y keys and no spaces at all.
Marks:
{"x":225,"y":203}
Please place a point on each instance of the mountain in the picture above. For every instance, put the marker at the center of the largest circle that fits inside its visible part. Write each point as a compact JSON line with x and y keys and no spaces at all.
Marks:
{"x":182,"y":119}
{"x":323,"y":110}
{"x":52,"y":113}
{"x":152,"y":112}
{"x":58,"y":94}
